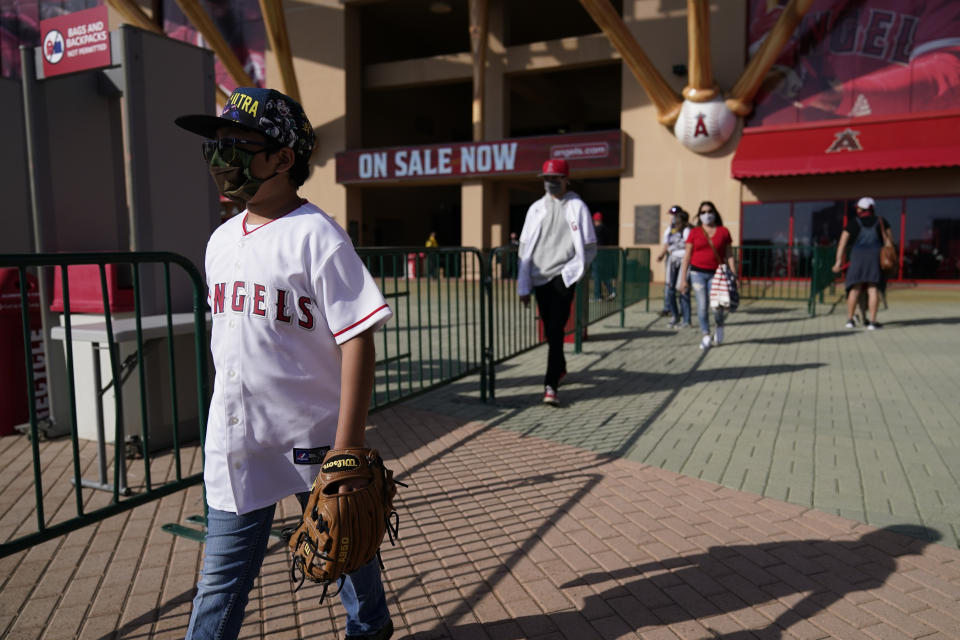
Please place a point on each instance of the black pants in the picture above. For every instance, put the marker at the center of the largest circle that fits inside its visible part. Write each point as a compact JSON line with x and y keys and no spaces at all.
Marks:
{"x":553,"y":302}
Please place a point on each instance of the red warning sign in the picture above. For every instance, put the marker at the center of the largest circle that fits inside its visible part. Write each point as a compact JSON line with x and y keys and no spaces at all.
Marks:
{"x":75,"y":42}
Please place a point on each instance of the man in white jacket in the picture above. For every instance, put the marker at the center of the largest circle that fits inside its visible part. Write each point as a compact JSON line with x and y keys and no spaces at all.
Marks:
{"x":556,"y":245}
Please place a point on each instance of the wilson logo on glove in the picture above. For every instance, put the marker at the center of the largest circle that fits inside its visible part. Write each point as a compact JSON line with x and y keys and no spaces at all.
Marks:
{"x":323,"y":550}
{"x":340,"y":463}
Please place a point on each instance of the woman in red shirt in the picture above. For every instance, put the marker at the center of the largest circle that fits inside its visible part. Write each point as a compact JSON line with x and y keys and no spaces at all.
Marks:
{"x":700,"y":261}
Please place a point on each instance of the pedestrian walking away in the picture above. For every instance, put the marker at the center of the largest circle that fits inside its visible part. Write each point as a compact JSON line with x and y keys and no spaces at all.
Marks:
{"x":673,"y":248}
{"x":289,"y":296}
{"x":864,"y":234}
{"x":556,"y":244}
{"x":707,"y":245}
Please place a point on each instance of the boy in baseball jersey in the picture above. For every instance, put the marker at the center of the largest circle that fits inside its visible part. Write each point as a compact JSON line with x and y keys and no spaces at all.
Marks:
{"x":294,"y":310}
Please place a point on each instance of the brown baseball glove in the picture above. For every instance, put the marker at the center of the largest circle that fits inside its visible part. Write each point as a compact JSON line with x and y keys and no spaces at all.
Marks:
{"x":341,"y":532}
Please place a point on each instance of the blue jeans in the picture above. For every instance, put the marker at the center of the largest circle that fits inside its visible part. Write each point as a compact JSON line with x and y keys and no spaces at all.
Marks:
{"x":701,"y":288}
{"x":670,"y":293}
{"x":235,"y":548}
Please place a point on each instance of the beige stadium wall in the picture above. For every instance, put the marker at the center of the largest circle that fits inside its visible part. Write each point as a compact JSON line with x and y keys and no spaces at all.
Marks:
{"x":660,"y":170}
{"x":325,"y":50}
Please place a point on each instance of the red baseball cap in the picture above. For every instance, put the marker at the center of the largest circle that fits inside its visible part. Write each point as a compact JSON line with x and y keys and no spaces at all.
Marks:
{"x":598,"y":217}
{"x":555,"y":167}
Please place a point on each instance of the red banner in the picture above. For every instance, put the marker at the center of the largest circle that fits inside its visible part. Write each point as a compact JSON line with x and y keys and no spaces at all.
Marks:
{"x":75,"y":42}
{"x":593,"y":151}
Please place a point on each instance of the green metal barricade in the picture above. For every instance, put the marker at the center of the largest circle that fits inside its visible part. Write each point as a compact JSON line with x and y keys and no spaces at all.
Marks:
{"x":437,"y":333}
{"x":636,"y":276}
{"x":456,"y":312}
{"x":512,"y":327}
{"x":822,"y":276}
{"x":49,"y":507}
{"x":785,"y":272}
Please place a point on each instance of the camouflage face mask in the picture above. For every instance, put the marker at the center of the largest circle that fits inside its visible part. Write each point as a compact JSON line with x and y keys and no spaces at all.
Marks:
{"x":234,"y":180}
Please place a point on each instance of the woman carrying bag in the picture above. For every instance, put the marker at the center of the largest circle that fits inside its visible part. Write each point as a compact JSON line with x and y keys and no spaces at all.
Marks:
{"x":868,"y":237}
{"x":707,"y":247}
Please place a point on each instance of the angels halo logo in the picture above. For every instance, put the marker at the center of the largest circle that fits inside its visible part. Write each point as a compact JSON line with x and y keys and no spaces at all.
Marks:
{"x":53,"y":46}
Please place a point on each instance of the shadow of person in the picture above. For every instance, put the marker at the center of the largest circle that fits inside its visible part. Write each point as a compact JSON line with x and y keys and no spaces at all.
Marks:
{"x":729,"y":578}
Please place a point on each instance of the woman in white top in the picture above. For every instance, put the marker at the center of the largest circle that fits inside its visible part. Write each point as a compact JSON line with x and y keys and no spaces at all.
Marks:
{"x":674,"y":244}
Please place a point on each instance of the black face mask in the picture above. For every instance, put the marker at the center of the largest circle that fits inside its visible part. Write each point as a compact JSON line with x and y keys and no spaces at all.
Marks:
{"x":553,"y":187}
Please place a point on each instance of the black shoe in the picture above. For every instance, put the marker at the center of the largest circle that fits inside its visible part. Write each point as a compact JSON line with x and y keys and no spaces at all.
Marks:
{"x":385,"y":632}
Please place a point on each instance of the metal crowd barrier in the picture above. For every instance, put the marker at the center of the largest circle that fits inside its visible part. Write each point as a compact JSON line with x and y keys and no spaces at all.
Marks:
{"x":50,"y":505}
{"x":456,"y":312}
{"x":822,"y":276}
{"x":783,"y":272}
{"x":436,"y":334}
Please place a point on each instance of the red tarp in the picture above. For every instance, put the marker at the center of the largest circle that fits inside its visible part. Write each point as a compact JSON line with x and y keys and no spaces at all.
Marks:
{"x":855,"y":144}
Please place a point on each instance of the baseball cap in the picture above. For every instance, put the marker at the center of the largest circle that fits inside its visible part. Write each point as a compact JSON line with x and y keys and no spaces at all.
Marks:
{"x":267,"y":111}
{"x":555,"y":167}
{"x":865,"y":203}
{"x":598,"y":217}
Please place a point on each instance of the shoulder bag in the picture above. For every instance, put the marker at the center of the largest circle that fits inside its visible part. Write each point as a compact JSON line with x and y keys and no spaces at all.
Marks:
{"x":888,"y":253}
{"x":724,"y":291}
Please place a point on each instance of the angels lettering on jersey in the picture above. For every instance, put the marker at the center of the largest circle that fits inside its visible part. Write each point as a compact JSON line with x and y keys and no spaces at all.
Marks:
{"x":855,"y":58}
{"x":254,"y":299}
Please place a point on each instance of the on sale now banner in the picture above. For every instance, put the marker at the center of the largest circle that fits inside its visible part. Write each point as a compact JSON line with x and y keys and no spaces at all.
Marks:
{"x":75,"y":42}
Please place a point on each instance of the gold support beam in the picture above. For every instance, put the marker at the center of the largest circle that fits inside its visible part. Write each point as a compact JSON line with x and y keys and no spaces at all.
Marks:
{"x":700,"y":85}
{"x":478,"y":50}
{"x":740,"y":99}
{"x":664,"y":98}
{"x":276,"y":24}
{"x":204,"y":24}
{"x":133,"y":14}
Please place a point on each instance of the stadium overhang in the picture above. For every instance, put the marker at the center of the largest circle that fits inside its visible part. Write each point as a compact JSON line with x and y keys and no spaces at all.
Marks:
{"x":849,"y":145}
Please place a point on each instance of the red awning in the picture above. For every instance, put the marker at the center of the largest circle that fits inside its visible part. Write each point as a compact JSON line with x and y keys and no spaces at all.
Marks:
{"x":854,"y":144}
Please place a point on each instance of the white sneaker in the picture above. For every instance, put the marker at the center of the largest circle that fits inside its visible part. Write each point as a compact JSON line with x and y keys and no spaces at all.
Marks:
{"x":550,"y":396}
{"x":718,"y":336}
{"x":705,"y":342}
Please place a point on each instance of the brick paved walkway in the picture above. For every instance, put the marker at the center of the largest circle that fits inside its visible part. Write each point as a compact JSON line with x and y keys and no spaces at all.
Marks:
{"x":737,"y":494}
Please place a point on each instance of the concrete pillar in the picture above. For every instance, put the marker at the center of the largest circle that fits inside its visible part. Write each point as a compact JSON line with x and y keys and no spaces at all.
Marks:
{"x":484,"y":204}
{"x":485,"y":213}
{"x":495,"y":100}
{"x":324,"y":39}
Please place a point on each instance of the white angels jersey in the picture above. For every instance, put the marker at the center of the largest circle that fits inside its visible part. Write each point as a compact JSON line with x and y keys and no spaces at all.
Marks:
{"x":283,"y":296}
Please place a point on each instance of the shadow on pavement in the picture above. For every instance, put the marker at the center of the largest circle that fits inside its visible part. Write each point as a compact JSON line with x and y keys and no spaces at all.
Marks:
{"x":596,"y":383}
{"x":804,"y":337}
{"x":733,"y":320}
{"x":739,"y":576}
{"x":921,"y":322}
{"x":725,"y":579}
{"x":765,"y":311}
{"x":148,"y":619}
